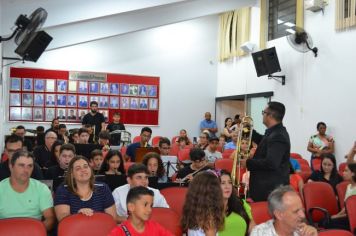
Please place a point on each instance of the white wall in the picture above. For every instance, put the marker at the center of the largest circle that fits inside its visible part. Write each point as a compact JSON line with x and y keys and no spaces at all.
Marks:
{"x":317,"y":89}
{"x":182,"y":55}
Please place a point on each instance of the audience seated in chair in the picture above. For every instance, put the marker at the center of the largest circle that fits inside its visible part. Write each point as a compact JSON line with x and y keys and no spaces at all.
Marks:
{"x":146,"y":133}
{"x":155,"y":166}
{"x":211,"y":152}
{"x":164,"y":146}
{"x":22,"y":196}
{"x":96,"y":160}
{"x":43,"y":153}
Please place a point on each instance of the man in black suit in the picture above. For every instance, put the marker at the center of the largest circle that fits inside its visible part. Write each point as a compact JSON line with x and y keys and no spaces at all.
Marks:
{"x":269,"y":168}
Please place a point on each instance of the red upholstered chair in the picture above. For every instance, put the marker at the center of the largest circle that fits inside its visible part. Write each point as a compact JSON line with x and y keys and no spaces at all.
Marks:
{"x":227,"y":153}
{"x":127,"y":165}
{"x":224,"y":164}
{"x":316,"y":163}
{"x":174,"y":149}
{"x":174,"y":139}
{"x":295,"y":155}
{"x":303,"y":162}
{"x":335,"y":232}
{"x":168,"y":219}
{"x":320,"y":201}
{"x":136,"y":139}
{"x":260,"y":212}
{"x":155,"y":140}
{"x":351,"y":212}
{"x":79,"y":224}
{"x":123,"y":150}
{"x":22,"y":226}
{"x":341,"y":191}
{"x":183,"y":155}
{"x":342,"y":167}
{"x":175,"y":197}
{"x":305,"y":172}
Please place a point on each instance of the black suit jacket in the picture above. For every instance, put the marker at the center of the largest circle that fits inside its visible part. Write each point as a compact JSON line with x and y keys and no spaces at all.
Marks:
{"x":269,"y":168}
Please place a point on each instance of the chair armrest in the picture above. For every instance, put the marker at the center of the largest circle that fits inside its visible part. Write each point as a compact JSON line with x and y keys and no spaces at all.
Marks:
{"x":326,"y":218}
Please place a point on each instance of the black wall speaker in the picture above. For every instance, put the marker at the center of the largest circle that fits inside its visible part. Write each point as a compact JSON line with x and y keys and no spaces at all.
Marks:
{"x":266,"y":62}
{"x":30,"y":49}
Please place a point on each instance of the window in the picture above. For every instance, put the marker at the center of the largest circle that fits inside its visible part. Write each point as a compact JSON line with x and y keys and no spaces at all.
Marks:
{"x":282,"y":15}
{"x":345,"y":14}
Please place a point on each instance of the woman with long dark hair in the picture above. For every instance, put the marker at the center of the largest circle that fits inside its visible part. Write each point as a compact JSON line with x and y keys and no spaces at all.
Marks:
{"x":154,"y":165}
{"x":113,"y":164}
{"x":238,"y":217}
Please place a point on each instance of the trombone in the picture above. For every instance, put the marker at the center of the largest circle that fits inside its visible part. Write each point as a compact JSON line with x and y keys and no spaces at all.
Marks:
{"x":244,"y":133}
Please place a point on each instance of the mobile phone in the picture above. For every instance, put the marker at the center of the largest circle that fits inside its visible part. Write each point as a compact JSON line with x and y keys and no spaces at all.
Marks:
{"x":195,"y":141}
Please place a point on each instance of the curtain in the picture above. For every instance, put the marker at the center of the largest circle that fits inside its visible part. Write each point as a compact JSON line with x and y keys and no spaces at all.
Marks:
{"x":345,"y":14}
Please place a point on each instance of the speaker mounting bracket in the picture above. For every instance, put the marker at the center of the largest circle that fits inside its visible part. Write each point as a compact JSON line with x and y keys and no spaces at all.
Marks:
{"x":279,"y":78}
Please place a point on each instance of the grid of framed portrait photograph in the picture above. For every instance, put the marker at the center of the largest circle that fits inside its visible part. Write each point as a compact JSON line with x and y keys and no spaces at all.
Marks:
{"x":40,"y":99}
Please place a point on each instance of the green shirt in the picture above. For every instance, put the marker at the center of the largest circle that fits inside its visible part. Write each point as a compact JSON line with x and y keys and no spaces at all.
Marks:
{"x":30,"y":203}
{"x":234,"y":224}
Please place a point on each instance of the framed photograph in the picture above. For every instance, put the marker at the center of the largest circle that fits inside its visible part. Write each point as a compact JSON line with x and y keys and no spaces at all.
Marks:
{"x":71,"y":114}
{"x":61,"y":86}
{"x":103,"y":102}
{"x":144,"y":103}
{"x":133,"y":103}
{"x":15,"y":84}
{"x":106,"y":115}
{"x":82,"y":113}
{"x":50,"y":114}
{"x":72,"y":86}
{"x":72,"y":100}
{"x":152,"y":90}
{"x":125,"y":103}
{"x":124,"y":89}
{"x":38,"y":114}
{"x":61,"y":113}
{"x":50,"y":85}
{"x":114,"y":89}
{"x":15,"y":113}
{"x":38,"y":100}
{"x":114,"y":102}
{"x":15,"y":99}
{"x":83,"y":87}
{"x":83,"y":101}
{"x":153,"y":103}
{"x":61,"y":100}
{"x":93,"y":87}
{"x":50,"y":100}
{"x":27,"y":84}
{"x":142,"y":90}
{"x":94,"y":98}
{"x":26,"y":113}
{"x":39,"y":85}
{"x":133,"y":90}
{"x":104,"y":88}
{"x":27,"y":99}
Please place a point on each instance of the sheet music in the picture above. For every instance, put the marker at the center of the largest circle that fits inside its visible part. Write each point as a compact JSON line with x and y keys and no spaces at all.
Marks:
{"x":172,"y":160}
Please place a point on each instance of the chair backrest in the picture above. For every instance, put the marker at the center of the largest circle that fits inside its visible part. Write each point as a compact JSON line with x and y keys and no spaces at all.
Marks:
{"x":341,"y":191}
{"x":316,"y":163}
{"x":174,"y":139}
{"x":224,"y":164}
{"x":22,"y":226}
{"x":79,"y":224}
{"x":303,"y":162}
{"x":350,"y":205}
{"x":295,"y":155}
{"x":227,"y":153}
{"x":305,"y":171}
{"x":183,"y":155}
{"x":136,"y":139}
{"x":342,"y":167}
{"x":175,"y":197}
{"x":168,"y":219}
{"x":123,"y":150}
{"x":334,"y":232}
{"x":319,"y":194}
{"x":260,"y":212}
{"x":174,"y":150}
{"x":127,"y":165}
{"x":155,"y":141}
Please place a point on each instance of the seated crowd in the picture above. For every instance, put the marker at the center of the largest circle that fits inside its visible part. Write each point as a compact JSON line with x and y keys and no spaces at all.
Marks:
{"x":93,"y":178}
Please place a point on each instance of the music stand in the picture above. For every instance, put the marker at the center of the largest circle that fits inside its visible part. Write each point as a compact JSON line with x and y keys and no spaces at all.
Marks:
{"x":169,"y":163}
{"x":141,"y":151}
{"x":125,"y":136}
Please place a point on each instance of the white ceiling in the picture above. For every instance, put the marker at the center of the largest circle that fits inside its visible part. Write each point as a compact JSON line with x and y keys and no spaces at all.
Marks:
{"x":71,"y":22}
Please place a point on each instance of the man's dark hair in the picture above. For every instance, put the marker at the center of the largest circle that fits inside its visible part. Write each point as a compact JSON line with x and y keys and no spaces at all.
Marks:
{"x":40,"y":129}
{"x":93,"y":103}
{"x":116,"y":113}
{"x":20,"y":127}
{"x":196,"y":154}
{"x":137,"y":168}
{"x":136,"y":192}
{"x":20,"y":153}
{"x":320,"y":124}
{"x":13,"y":138}
{"x":104,"y":134}
{"x":164,"y":140}
{"x":277,"y":110}
{"x":82,"y":130}
{"x":61,"y":126}
{"x":95,"y":152}
{"x":146,"y":129}
{"x":68,"y":147}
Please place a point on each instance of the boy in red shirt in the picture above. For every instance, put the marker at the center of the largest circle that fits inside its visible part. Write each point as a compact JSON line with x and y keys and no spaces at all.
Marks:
{"x":139,"y":203}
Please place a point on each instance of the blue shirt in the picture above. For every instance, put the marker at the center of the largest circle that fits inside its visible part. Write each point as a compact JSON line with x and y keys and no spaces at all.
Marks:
{"x":295,"y":164}
{"x":99,"y":201}
{"x":131,"y":150}
{"x":207,"y":124}
{"x":230,"y":145}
